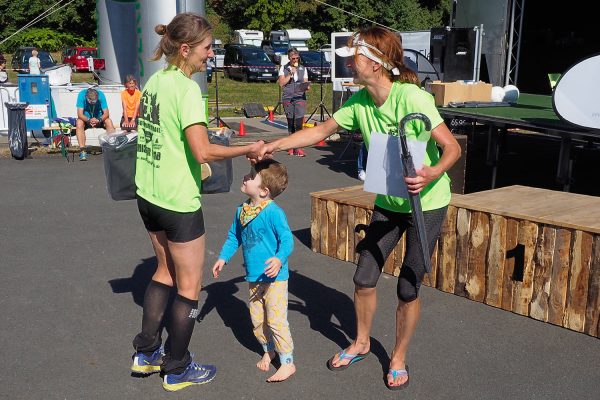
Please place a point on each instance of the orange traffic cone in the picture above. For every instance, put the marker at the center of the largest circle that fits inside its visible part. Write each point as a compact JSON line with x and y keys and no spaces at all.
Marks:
{"x":242,"y":131}
{"x":271,"y":118}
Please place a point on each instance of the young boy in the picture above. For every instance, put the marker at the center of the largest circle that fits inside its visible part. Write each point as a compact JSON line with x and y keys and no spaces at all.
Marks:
{"x":261,"y":227}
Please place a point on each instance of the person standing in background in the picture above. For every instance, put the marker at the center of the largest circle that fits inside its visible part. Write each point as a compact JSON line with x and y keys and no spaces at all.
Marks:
{"x":292,"y":77}
{"x":35,"y":64}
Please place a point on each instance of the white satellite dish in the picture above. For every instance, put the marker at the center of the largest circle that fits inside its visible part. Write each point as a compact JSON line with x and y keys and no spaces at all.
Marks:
{"x":575,"y":98}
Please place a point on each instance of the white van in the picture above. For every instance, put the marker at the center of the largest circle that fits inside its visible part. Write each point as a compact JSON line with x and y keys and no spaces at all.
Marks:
{"x":248,"y":36}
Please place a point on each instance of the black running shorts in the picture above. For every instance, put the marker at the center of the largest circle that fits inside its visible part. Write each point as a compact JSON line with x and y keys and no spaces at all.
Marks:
{"x":383,"y":233}
{"x":179,"y":226}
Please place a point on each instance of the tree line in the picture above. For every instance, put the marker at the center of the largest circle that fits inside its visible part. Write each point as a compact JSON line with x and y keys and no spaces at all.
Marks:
{"x":75,"y":24}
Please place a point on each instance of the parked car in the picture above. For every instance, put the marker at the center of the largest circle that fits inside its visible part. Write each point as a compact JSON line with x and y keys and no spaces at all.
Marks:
{"x":248,"y":63}
{"x":20,"y":59}
{"x":77,"y":58}
{"x":218,"y":58}
{"x":319,"y":69}
{"x":66,"y":53}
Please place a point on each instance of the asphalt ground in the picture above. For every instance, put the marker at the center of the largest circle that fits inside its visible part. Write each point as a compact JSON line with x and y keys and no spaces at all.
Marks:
{"x":75,"y":265}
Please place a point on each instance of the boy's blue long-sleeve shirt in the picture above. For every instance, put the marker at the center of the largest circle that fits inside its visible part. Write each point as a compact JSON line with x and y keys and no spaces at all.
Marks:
{"x":267,"y":235}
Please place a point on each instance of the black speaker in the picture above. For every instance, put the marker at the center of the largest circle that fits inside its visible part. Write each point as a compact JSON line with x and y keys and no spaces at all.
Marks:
{"x":459,"y":60}
{"x":437,"y":49}
{"x":252,"y":110}
{"x":452,"y":52}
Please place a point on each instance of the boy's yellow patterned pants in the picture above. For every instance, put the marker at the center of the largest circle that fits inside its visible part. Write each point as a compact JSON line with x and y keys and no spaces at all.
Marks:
{"x":268,"y":310}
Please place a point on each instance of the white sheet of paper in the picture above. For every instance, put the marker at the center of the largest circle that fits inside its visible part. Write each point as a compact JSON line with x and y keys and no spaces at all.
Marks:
{"x":384,"y":166}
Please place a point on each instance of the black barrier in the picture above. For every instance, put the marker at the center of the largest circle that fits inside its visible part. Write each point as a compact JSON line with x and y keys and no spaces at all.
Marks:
{"x":17,"y":132}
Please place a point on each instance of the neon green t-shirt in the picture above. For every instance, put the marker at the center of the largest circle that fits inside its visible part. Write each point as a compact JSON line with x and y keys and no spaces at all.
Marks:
{"x":167,"y":174}
{"x":360,"y":112}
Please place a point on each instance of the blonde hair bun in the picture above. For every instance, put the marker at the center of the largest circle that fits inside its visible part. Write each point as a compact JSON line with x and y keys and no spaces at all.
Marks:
{"x":161,"y":29}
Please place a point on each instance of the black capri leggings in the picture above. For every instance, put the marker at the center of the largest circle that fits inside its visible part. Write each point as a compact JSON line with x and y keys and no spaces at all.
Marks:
{"x":383,"y":234}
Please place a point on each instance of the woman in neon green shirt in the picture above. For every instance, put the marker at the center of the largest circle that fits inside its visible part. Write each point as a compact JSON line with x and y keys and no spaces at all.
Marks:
{"x":172,"y":145}
{"x":375,"y":57}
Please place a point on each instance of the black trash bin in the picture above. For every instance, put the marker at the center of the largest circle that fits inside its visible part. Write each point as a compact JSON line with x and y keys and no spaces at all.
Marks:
{"x":119,"y":154}
{"x":221,"y":171}
{"x":17,"y":132}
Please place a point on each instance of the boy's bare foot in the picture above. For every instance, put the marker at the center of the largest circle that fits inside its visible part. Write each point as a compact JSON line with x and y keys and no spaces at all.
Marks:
{"x":284,"y":372}
{"x":265,"y":362}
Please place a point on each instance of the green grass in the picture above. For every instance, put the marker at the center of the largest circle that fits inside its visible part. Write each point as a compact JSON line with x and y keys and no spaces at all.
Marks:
{"x":234,"y":94}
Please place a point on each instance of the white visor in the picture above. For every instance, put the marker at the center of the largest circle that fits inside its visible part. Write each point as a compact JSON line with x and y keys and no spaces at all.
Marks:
{"x":361,"y":47}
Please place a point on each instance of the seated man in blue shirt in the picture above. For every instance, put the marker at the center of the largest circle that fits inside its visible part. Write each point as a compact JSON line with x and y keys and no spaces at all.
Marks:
{"x":92,"y":112}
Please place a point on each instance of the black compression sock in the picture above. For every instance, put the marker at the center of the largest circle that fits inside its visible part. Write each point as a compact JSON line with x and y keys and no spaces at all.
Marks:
{"x":182,"y":320}
{"x":156,"y":299}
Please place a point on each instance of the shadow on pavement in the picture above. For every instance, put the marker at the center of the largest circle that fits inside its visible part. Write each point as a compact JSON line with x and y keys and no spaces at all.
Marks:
{"x":233,"y":311}
{"x":321,"y":305}
{"x":303,"y":235}
{"x":139,"y":281}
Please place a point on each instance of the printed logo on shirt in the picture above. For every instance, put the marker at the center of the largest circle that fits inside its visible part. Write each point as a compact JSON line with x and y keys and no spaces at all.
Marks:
{"x":149,"y":124}
{"x":251,"y":238}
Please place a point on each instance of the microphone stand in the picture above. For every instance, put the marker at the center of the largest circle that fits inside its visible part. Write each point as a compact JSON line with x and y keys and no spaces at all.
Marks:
{"x":217,"y":118}
{"x":321,"y":105}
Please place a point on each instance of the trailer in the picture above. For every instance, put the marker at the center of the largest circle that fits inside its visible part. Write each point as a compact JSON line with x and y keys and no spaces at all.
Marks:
{"x":248,"y":36}
{"x":284,"y":39}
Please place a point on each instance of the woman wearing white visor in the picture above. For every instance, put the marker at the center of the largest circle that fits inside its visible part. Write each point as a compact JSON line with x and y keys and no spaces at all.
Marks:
{"x":376,"y":59}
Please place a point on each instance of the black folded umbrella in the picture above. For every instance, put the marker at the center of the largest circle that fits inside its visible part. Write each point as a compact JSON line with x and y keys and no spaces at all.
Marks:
{"x":415,"y":199}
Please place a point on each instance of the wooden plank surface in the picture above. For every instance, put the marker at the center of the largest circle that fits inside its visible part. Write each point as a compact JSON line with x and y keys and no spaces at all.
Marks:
{"x":566,"y":210}
{"x":478,"y":240}
{"x":323,"y":227}
{"x":542,"y":274}
{"x":331,"y":207}
{"x":350,"y":253}
{"x":315,"y":224}
{"x":342,"y":231}
{"x":495,"y":261}
{"x":579,"y":273}
{"x":446,"y":278}
{"x":512,"y":237}
{"x":463,"y":221}
{"x":560,"y":275}
{"x":592,"y":312}
{"x":528,"y":233}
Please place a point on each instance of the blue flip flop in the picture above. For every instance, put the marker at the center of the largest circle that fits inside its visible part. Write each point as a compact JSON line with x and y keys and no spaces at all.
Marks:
{"x":345,"y":356}
{"x":395,"y":373}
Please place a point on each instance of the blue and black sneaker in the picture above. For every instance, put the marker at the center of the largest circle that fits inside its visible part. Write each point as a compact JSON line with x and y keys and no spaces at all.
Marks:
{"x":147,"y":364}
{"x":194,"y":374}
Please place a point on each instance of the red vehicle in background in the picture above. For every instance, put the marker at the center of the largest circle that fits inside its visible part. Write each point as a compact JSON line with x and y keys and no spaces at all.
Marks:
{"x":77,"y":58}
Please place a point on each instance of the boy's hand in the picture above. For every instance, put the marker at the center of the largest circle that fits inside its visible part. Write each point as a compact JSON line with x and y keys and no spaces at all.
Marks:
{"x":273,"y":267}
{"x":218,"y":267}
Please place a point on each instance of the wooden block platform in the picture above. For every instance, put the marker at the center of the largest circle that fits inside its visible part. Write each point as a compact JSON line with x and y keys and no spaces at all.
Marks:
{"x":535,"y":252}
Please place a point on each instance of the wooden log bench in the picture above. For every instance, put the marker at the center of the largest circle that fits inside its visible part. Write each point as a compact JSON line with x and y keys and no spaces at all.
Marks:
{"x":534,"y":252}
